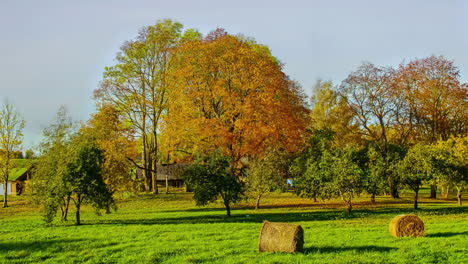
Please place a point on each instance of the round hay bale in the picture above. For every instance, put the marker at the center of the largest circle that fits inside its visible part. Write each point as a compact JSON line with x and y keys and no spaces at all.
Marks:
{"x":407,"y":225}
{"x":281,"y":237}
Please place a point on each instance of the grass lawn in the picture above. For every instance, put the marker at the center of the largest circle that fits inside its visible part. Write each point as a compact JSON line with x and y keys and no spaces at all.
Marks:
{"x":171,"y":229}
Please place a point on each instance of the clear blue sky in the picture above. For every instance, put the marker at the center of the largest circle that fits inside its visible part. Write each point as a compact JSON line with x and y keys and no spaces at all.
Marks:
{"x":54,"y":52}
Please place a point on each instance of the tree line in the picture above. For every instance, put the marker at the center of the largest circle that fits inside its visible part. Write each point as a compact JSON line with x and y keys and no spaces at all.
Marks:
{"x":224,"y":103}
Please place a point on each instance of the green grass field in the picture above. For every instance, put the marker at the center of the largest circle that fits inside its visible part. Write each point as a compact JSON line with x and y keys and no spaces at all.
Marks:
{"x":171,"y":229}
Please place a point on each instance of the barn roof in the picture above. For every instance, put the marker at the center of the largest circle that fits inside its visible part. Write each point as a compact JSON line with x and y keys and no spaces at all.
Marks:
{"x":21,"y":167}
{"x":172,"y":171}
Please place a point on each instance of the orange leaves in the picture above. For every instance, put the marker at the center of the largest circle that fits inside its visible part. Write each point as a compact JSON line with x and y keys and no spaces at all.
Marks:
{"x":434,"y":97}
{"x":232,"y":95}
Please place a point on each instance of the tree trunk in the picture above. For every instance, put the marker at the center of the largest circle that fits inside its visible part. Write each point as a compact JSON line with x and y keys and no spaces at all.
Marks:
{"x":350,"y":206}
{"x":372,"y":198}
{"x":416,"y":198}
{"x":433,"y":191}
{"x":78,"y":205}
{"x":445,"y":191}
{"x":145,"y":171}
{"x":154,"y":177}
{"x":155,"y":157}
{"x":228,"y":208}
{"x":315,"y":197}
{"x":65,"y":209}
{"x":167,"y":184}
{"x":459,"y":196}
{"x":257,"y":204}
{"x":394,"y":192}
{"x":5,"y":194}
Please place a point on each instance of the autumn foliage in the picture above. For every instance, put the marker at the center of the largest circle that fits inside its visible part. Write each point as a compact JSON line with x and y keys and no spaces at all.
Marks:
{"x":232,"y":95}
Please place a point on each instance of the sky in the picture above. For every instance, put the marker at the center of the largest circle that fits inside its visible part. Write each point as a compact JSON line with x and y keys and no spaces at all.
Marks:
{"x":53,"y":53}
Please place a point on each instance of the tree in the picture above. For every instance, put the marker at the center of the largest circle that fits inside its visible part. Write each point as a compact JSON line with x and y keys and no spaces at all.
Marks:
{"x":84,"y":175}
{"x":451,"y":162}
{"x":211,"y":177}
{"x":265,"y":174}
{"x":329,"y":172}
{"x":416,"y":168}
{"x":138,"y":86}
{"x":331,"y":112}
{"x":69,"y":169}
{"x":371,"y":97}
{"x":11,"y":133}
{"x":380,"y":169}
{"x":29,"y":154}
{"x":116,"y":141}
{"x":435,"y":99}
{"x":232,"y":95}
{"x":48,"y":183}
{"x":345,"y":176}
{"x":371,"y":100}
{"x":305,"y":168}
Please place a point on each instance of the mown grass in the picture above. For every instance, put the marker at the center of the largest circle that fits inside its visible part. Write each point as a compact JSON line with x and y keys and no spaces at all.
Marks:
{"x":171,"y":229}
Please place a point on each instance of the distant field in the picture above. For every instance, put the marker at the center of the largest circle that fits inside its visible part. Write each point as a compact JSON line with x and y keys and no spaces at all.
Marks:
{"x":171,"y":229}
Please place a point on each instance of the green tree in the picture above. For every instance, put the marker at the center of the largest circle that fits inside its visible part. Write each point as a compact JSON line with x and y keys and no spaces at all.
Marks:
{"x":84,"y":175}
{"x":329,"y":173}
{"x":212,"y":177}
{"x":416,"y":168}
{"x":69,"y":169}
{"x":451,"y":163}
{"x":305,"y":168}
{"x":11,"y":133}
{"x":345,"y":176}
{"x":29,"y":154}
{"x":48,"y":182}
{"x":265,"y":174}
{"x":380,"y":170}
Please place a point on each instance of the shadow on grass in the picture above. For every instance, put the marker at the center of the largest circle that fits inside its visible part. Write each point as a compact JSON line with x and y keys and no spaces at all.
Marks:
{"x":360,"y":249}
{"x":447,"y":234}
{"x":245,"y":217}
{"x":32,"y":246}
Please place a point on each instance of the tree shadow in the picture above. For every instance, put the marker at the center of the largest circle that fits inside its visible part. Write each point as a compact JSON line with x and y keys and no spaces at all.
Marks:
{"x":447,"y":234}
{"x":360,"y":249}
{"x":42,"y":245}
{"x":258,"y":217}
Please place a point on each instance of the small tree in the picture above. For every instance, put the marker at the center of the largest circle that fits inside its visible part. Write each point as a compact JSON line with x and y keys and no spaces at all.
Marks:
{"x":346,"y":178}
{"x":264,"y":175}
{"x":212,"y":177}
{"x":84,"y":175}
{"x":415,"y":168}
{"x":48,"y":184}
{"x":310,"y":184}
{"x":375,"y":171}
{"x":334,"y":174}
{"x":11,"y":133}
{"x":451,"y":163}
{"x":69,"y":169}
{"x":308,"y":180}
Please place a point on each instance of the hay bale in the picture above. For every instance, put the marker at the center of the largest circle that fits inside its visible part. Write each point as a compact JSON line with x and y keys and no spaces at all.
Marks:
{"x":407,"y":225}
{"x":281,"y":237}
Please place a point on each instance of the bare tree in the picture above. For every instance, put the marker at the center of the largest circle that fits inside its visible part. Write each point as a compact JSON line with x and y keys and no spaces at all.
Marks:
{"x":11,"y":128}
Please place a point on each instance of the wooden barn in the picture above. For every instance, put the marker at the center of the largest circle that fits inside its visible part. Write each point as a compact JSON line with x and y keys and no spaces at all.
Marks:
{"x":172,"y":173}
{"x":17,"y":177}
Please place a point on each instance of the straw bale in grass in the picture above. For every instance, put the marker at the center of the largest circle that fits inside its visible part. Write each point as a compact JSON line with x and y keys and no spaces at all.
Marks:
{"x":407,"y":225}
{"x":281,"y":237}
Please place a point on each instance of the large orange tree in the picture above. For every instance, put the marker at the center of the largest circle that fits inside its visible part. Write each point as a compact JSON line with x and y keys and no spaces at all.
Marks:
{"x":232,"y":95}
